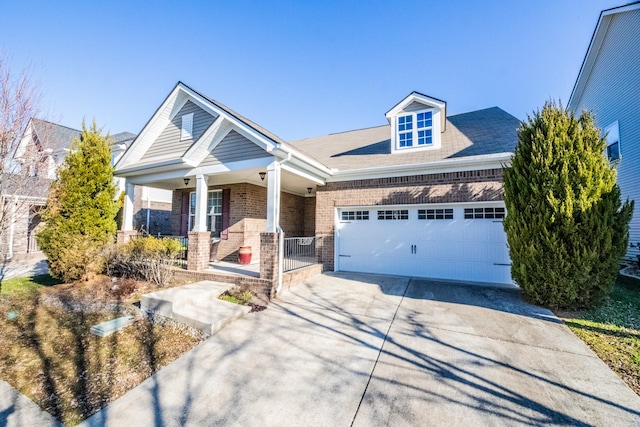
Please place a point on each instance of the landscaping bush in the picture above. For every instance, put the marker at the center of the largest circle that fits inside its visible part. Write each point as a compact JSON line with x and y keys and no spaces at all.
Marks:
{"x":79,"y":220}
{"x":566,"y":226}
{"x":146,"y":258}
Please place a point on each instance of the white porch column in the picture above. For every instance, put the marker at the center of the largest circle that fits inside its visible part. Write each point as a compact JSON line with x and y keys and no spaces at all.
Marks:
{"x":273,"y":197}
{"x":200,"y":221}
{"x":127,"y":210}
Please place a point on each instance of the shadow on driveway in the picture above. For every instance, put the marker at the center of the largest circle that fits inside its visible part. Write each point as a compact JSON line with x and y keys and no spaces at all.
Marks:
{"x":356,"y":349}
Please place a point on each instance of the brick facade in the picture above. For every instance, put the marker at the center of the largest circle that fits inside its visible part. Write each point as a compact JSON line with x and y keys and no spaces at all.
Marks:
{"x":198,"y":252}
{"x":450,"y":187}
{"x":269,"y":259}
{"x":309,"y":217}
{"x":247,"y":217}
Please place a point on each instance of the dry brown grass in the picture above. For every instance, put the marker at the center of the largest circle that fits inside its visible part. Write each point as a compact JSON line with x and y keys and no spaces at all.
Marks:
{"x":48,"y":353}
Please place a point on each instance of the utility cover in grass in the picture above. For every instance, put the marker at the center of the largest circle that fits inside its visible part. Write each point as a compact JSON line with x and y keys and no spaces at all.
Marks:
{"x":105,"y":329}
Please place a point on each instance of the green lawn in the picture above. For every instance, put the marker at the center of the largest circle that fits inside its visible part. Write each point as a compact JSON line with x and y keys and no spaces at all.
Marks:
{"x":27,"y":284}
{"x":613,"y":331}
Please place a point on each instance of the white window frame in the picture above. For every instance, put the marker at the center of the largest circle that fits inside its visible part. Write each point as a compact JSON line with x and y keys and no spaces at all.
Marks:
{"x":212,"y":213}
{"x":414,"y":132}
{"x":186,"y":131}
{"x":612,"y":133}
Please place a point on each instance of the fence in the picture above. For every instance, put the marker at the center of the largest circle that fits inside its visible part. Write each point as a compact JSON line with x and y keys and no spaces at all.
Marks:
{"x":299,"y":252}
{"x":32,"y":243}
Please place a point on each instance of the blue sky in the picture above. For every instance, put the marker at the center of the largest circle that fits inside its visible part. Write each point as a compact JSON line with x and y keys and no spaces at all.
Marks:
{"x":298,"y":68}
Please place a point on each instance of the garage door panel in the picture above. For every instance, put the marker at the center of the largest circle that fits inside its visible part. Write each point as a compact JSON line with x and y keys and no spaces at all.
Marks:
{"x":456,"y":249}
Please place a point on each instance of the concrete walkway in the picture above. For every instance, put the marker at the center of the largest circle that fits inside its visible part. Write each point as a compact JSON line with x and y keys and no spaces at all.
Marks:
{"x":23,"y":268}
{"x":355,"y":349}
{"x":17,"y":410}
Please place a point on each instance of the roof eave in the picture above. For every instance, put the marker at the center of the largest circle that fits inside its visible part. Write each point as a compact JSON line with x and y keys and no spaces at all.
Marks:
{"x":490,"y":161}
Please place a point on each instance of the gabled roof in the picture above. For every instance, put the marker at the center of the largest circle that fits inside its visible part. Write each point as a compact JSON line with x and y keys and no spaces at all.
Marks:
{"x":191,"y":154}
{"x":420,"y":98}
{"x":594,"y":49}
{"x":477,"y":134}
{"x":53,"y":136}
{"x":225,"y":119}
{"x":123,"y":138}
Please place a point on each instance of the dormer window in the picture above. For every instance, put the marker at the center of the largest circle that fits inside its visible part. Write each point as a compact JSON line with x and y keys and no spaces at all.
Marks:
{"x":416,"y":123}
{"x":421,"y":133}
{"x":405,"y":131}
{"x":187,"y":127}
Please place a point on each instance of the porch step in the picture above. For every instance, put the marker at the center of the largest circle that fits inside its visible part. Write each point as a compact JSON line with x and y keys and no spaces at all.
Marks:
{"x":196,"y":305}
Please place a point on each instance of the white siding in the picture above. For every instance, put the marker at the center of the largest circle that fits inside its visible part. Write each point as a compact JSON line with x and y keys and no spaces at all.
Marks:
{"x":612,"y":92}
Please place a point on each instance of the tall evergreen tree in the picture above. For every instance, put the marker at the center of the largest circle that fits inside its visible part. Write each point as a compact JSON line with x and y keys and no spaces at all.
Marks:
{"x":566,"y":226}
{"x":81,"y":210}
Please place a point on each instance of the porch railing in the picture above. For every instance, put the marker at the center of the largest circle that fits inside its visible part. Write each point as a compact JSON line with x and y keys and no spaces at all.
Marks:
{"x":299,"y":252}
{"x":181,"y":260}
{"x":32,"y":243}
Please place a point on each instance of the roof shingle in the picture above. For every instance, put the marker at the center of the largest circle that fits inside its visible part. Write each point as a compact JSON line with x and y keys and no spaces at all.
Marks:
{"x":477,"y":133}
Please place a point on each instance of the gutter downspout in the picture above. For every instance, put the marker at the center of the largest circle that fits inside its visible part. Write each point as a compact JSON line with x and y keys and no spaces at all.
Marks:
{"x":279,"y":229}
{"x":148,"y":212}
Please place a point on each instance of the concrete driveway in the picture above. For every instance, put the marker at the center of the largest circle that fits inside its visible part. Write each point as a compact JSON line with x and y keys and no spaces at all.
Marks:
{"x":366,"y":350}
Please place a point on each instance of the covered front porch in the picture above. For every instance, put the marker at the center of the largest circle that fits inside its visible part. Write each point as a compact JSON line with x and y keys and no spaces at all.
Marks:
{"x":234,"y":185}
{"x":268,"y":210}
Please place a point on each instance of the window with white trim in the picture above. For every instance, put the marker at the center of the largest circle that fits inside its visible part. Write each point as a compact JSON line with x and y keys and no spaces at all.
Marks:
{"x":393,"y":214}
{"x":214,"y":211}
{"x":355,"y":215}
{"x":186,"y":131}
{"x":421,"y":133}
{"x":435,"y":213}
{"x":484,"y":213}
{"x":612,"y":133}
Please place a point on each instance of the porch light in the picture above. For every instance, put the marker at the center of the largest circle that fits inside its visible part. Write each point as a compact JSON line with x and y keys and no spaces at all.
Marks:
{"x":309,"y":190}
{"x":186,"y":181}
{"x":262,"y":175}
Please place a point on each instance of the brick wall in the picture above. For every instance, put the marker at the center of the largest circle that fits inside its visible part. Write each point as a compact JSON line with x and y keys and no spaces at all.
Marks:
{"x":451,"y":187}
{"x":292,"y":214}
{"x":269,"y":259}
{"x":248,"y":217}
{"x":309,"y":216}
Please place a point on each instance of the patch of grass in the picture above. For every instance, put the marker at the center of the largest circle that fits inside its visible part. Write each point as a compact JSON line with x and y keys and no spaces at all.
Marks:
{"x":48,"y":353}
{"x":613,"y":332}
{"x":241,"y":298}
{"x":27,"y":284}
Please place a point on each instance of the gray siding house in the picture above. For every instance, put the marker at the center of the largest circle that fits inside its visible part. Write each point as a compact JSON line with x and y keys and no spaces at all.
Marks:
{"x":609,"y":85}
{"x":42,"y":149}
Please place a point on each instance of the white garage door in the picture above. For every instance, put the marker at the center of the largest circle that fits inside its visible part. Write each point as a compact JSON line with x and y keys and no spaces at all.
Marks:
{"x":446,"y":242}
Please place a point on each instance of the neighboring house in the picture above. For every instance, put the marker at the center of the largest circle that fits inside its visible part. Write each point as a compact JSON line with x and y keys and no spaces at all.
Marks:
{"x":421,"y":196}
{"x":609,"y":85}
{"x":41,"y":150}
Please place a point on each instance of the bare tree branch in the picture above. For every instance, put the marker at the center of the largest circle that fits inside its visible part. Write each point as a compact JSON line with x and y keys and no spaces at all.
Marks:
{"x":19,"y":102}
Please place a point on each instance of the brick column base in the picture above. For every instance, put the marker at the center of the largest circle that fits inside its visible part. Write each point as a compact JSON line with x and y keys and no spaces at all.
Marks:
{"x":198,"y":250}
{"x":269,"y":260}
{"x":123,"y":236}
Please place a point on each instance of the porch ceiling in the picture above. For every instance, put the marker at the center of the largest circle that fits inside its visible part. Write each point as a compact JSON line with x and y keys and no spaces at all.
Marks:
{"x":291,"y":182}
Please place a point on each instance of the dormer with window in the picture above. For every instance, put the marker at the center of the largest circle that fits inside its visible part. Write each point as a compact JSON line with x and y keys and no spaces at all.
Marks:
{"x":417,"y":123}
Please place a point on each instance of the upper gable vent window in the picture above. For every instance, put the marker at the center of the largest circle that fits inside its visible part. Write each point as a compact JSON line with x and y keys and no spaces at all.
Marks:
{"x":187,"y":127}
{"x":419,"y":135}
